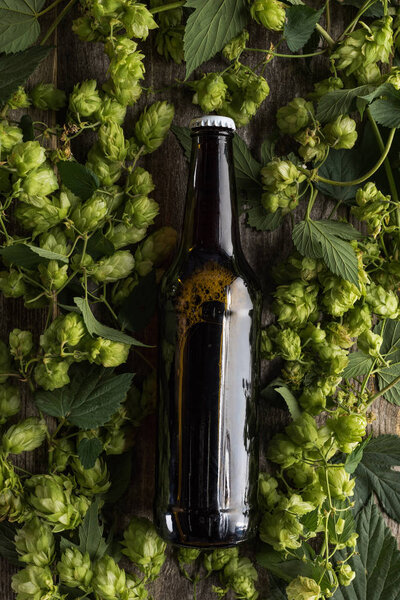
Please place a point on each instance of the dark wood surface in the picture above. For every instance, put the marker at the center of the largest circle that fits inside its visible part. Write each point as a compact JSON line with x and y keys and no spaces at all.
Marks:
{"x":73,"y":61}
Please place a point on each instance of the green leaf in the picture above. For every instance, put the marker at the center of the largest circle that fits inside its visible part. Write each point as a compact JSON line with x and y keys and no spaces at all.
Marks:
{"x":339,"y":102}
{"x":377,"y":564}
{"x":354,"y":458}
{"x":247,"y":168}
{"x":15,"y":69}
{"x":91,"y":533}
{"x":290,"y":400}
{"x":98,"y":246}
{"x":27,"y":128}
{"x":341,"y":165}
{"x":184,"y":138}
{"x":286,"y":569}
{"x":27,"y":256}
{"x":140,"y":306}
{"x":390,"y":349}
{"x":300,"y":24}
{"x":375,"y":473}
{"x":347,"y":529}
{"x":258,"y":217}
{"x":321,"y":239}
{"x":359,"y":364}
{"x":89,"y":449}
{"x":7,"y":545}
{"x":387,"y":111}
{"x":19,"y":27}
{"x":268,"y":149}
{"x":78,"y":178}
{"x":210,"y":26}
{"x":95,"y":328}
{"x":91,"y":398}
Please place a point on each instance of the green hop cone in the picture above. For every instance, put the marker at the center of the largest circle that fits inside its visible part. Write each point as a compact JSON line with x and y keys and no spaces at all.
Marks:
{"x":35,"y":583}
{"x":333,"y":358}
{"x":40,"y":182}
{"x":341,"y":133}
{"x":283,"y":451}
{"x":303,"y":588}
{"x":108,"y":580}
{"x":53,"y":499}
{"x":106,"y":8}
{"x":140,"y":212}
{"x":112,"y":141}
{"x":138,"y":21}
{"x":10,"y":136}
{"x":42,"y":213}
{"x":111,"y":268}
{"x":270,"y":13}
{"x":52,"y":373}
{"x":26,"y":156}
{"x":106,"y":352}
{"x":268,"y":494}
{"x":289,"y":344}
{"x":85,"y":28}
{"x":339,"y":335}
{"x":12,"y":284}
{"x":383,"y":303}
{"x":21,"y":343}
{"x":47,"y":97}
{"x":372,"y":207}
{"x":219,"y":558}
{"x":24,"y":436}
{"x":313,"y":333}
{"x":121,"y":235}
{"x":370,"y":343}
{"x":241,"y":576}
{"x":155,"y":250}
{"x":341,"y":486}
{"x":110,"y":111}
{"x":345,"y":574}
{"x":210,"y":92}
{"x":54,"y":240}
{"x":108,"y":171}
{"x":294,"y":116}
{"x":74,"y":569}
{"x":313,"y":400}
{"x":295,"y":303}
{"x":186,"y":556}
{"x":60,"y":453}
{"x":19,"y":99}
{"x":349,"y":430}
{"x":126,"y":70}
{"x":281,"y":529}
{"x":339,"y":295}
{"x":278,"y":174}
{"x":52,"y":275}
{"x":312,"y":148}
{"x":325,"y":86}
{"x":303,"y":431}
{"x":144,"y":547}
{"x":71,"y":330}
{"x":295,"y":504}
{"x":84,"y":99}
{"x":234,"y":48}
{"x":153,"y":125}
{"x":140,"y":182}
{"x":169,"y":43}
{"x":9,"y":401}
{"x":91,"y":214}
{"x":94,"y":480}
{"x":34,"y":543}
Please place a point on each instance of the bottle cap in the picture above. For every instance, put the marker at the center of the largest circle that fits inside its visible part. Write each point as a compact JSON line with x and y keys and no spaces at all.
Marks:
{"x":213,"y":121}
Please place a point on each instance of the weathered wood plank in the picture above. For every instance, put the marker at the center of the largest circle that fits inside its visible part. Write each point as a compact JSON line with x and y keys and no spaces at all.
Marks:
{"x":75,"y":61}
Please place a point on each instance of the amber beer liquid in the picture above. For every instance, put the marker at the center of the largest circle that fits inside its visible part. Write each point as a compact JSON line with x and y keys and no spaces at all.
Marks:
{"x":209,"y":331}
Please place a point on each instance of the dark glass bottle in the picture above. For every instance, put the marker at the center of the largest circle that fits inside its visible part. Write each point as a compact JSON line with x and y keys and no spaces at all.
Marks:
{"x":209,"y":332}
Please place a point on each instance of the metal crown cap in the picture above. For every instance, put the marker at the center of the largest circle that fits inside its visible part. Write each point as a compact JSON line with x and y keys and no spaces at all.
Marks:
{"x":213,"y":121}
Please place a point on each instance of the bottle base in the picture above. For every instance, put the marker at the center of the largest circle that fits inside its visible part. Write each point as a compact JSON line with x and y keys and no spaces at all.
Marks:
{"x":198,"y":529}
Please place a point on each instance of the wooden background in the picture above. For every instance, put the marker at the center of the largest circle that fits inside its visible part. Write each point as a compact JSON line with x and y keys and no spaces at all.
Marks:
{"x":73,"y":61}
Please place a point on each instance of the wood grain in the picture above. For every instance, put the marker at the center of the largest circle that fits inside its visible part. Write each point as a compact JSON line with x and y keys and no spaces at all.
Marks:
{"x":74,"y":61}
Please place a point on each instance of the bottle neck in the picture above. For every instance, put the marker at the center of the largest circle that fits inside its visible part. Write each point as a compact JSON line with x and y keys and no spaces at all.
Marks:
{"x":211,"y":219}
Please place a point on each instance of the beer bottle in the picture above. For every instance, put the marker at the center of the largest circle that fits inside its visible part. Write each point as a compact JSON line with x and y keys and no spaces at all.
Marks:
{"x":208,"y":361}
